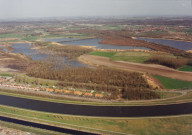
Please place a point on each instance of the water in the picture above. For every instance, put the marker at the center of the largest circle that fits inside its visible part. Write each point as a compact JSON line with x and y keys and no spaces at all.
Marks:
{"x":176,"y":44}
{"x":26,"y":49}
{"x":101,"y":111}
{"x":96,"y":44}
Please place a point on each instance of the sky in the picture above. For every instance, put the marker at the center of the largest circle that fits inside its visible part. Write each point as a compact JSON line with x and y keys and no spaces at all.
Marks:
{"x":73,"y":8}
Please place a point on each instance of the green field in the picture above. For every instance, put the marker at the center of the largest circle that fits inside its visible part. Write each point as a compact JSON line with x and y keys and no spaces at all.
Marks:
{"x":170,"y":83}
{"x":186,"y":68}
{"x":137,"y":57}
{"x":180,"y":125}
{"x":6,"y":75}
{"x":104,"y":54}
{"x":11,"y":36}
{"x":130,"y":56}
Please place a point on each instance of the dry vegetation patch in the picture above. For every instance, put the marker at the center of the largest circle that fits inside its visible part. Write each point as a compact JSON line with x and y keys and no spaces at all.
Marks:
{"x":13,"y":62}
{"x":101,"y":79}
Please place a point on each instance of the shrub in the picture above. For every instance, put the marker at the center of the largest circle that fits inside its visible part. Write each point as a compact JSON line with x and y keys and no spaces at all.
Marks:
{"x":167,"y":61}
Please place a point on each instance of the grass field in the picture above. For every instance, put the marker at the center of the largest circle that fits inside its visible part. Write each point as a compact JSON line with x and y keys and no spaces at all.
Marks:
{"x":146,"y":126}
{"x":137,"y":57}
{"x":131,"y":56}
{"x":170,"y":83}
{"x":104,"y":54}
{"x":6,"y":75}
{"x":11,"y":36}
{"x":186,"y":68}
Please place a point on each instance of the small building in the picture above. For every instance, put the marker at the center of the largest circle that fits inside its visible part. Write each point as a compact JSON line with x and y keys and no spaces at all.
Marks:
{"x":78,"y":93}
{"x":67,"y":91}
{"x":58,"y":90}
{"x":88,"y":94}
{"x":99,"y":95}
{"x":49,"y":90}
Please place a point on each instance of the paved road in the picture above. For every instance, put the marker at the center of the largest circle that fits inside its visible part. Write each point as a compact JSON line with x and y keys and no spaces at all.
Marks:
{"x":100,"y":111}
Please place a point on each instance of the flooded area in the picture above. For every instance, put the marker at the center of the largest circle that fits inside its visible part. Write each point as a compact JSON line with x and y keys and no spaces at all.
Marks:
{"x":93,"y":42}
{"x":172,"y":43}
{"x":26,"y":49}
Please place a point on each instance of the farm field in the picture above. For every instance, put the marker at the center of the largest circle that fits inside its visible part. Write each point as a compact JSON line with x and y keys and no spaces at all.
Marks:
{"x":173,"y":83}
{"x":130,"y":56}
{"x":186,"y":68}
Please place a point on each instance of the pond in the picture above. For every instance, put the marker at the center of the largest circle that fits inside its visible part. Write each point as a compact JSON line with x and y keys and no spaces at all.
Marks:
{"x":173,"y":43}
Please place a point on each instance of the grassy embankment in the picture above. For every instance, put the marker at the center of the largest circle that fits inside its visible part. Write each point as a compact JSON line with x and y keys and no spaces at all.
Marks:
{"x":186,"y":68}
{"x":180,"y":125}
{"x":170,"y":83}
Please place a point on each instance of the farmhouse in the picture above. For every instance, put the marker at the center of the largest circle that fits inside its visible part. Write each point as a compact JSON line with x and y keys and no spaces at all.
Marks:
{"x":49,"y":90}
{"x":88,"y":94}
{"x":78,"y":93}
{"x":67,"y":91}
{"x":58,"y":91}
{"x":99,"y":95}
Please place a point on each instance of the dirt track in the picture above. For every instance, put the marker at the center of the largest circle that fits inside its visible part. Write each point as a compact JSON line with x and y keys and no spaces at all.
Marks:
{"x":149,"y":68}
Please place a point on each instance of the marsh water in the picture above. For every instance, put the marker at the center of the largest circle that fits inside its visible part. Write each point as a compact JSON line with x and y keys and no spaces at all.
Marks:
{"x":92,"y":42}
{"x":26,"y":49}
{"x":173,"y":43}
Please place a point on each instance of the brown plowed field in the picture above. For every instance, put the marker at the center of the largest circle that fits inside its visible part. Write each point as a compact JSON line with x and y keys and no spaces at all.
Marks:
{"x":149,"y":68}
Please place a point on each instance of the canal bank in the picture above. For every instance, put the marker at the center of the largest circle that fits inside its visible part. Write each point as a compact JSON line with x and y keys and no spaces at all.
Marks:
{"x":98,"y":111}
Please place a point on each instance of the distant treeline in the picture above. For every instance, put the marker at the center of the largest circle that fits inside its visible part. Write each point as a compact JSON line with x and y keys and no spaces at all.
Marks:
{"x":129,"y":85}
